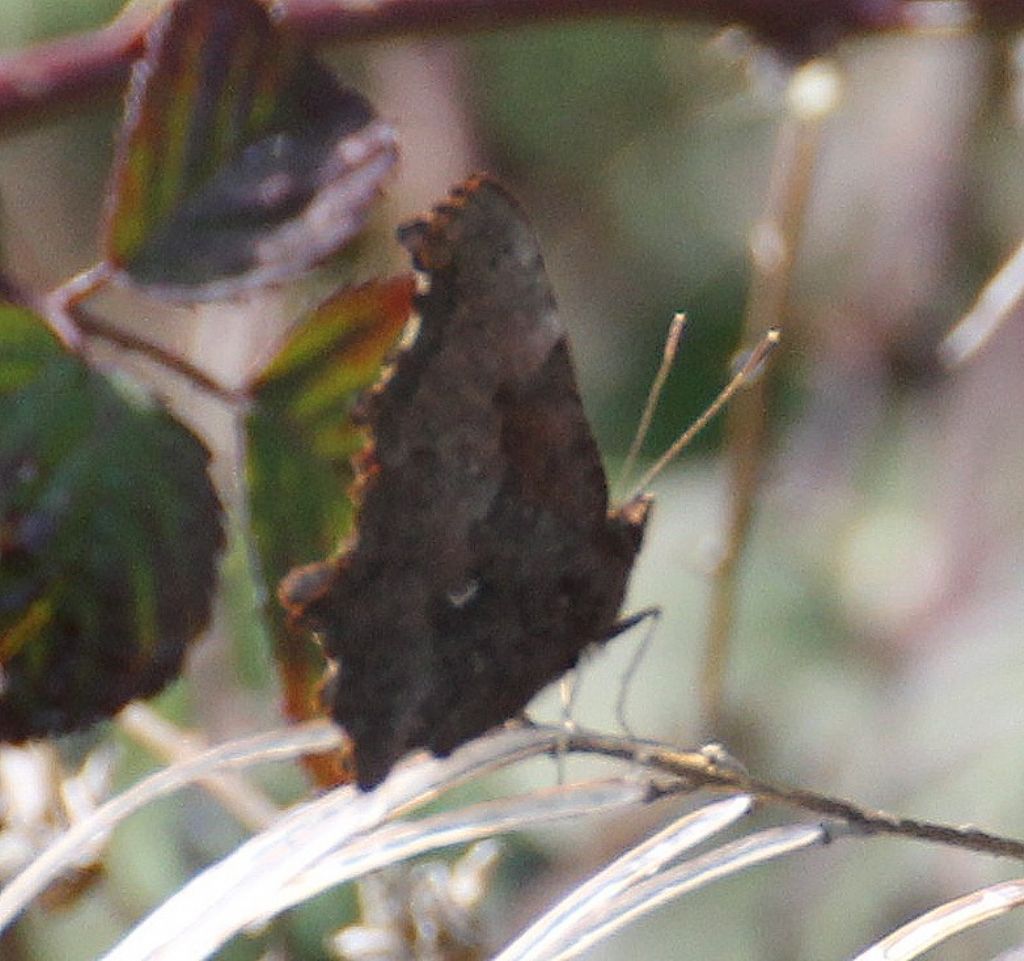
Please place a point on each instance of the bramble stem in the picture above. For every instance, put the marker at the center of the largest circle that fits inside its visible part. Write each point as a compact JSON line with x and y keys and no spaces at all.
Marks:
{"x":63,"y":73}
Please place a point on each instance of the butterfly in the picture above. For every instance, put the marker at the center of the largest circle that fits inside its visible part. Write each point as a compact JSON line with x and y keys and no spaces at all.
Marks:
{"x":485,"y":559}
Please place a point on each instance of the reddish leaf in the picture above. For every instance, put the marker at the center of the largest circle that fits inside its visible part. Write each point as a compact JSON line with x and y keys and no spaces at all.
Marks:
{"x":301,"y":437}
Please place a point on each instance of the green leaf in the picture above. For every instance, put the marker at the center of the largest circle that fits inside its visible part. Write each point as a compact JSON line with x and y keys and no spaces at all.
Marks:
{"x":26,"y":344}
{"x":301,"y":436}
{"x":241,"y":161}
{"x":109,"y":531}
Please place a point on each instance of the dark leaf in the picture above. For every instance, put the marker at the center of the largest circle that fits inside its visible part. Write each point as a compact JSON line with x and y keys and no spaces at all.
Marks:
{"x":241,"y":161}
{"x":301,"y":437}
{"x":109,"y":531}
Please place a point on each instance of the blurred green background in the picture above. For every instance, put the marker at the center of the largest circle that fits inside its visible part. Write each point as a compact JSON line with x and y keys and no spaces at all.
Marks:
{"x":877,"y":651}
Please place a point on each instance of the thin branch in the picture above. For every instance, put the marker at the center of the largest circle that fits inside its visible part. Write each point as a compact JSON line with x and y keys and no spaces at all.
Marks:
{"x":80,"y":287}
{"x":700,"y":769}
{"x":61,"y":74}
{"x":421,"y":780}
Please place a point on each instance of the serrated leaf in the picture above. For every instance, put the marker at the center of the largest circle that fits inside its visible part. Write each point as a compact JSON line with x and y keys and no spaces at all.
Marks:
{"x":109,"y":531}
{"x":301,"y":437}
{"x":241,"y":161}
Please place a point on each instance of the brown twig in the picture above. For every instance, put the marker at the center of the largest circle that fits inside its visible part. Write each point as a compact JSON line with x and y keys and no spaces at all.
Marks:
{"x":63,"y":73}
{"x":702,"y":769}
{"x":773,"y":253}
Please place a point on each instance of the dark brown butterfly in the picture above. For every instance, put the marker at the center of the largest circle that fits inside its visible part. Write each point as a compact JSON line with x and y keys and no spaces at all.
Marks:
{"x":486,"y":559}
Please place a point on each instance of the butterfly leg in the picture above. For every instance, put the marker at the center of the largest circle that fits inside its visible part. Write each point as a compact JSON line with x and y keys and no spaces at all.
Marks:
{"x":652,"y":615}
{"x":567,"y":688}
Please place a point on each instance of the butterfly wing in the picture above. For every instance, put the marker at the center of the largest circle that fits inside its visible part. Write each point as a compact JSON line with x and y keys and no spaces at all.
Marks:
{"x":485,"y":559}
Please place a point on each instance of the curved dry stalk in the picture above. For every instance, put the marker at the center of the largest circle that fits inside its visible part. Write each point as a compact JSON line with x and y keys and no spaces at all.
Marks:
{"x":347,"y":832}
{"x":249,"y":806}
{"x":561,"y":925}
{"x":398,"y":841}
{"x":941,"y":923}
{"x":245,"y":887}
{"x":673,"y":883}
{"x":62,"y":854}
{"x":317,"y":848}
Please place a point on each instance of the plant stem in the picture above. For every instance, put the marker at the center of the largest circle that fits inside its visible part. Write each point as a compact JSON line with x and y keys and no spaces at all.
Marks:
{"x":93,"y":326}
{"x":774,"y":244}
{"x":63,"y":73}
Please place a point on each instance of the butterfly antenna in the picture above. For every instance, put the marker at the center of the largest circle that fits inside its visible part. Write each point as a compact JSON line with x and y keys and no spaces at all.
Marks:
{"x":668,"y":357}
{"x":744,"y":375}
